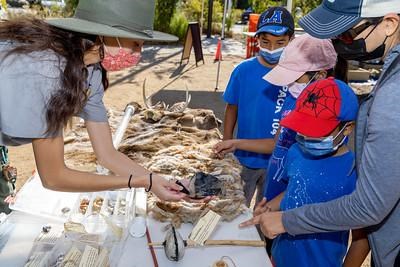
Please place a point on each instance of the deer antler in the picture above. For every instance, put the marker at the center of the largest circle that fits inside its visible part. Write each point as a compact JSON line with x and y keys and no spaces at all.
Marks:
{"x":147,"y":100}
{"x":180,"y":107}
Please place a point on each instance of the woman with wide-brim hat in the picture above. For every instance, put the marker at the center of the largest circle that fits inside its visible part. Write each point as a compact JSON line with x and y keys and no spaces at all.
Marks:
{"x":50,"y":71}
{"x":360,"y":30}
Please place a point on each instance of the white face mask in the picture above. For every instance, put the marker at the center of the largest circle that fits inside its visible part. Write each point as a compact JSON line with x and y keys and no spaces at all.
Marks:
{"x":296,"y":88}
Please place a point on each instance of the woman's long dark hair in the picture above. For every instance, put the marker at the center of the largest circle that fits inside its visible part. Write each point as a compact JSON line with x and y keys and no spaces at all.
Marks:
{"x":36,"y":35}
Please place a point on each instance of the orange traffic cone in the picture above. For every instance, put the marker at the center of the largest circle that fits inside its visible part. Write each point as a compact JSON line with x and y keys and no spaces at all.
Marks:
{"x":218,"y":54}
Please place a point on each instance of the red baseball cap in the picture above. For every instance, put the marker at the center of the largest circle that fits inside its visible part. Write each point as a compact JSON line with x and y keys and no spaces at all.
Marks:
{"x":321,"y":107}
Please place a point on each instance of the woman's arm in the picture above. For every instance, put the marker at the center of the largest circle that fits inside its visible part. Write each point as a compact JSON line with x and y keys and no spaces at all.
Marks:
{"x":55,"y":175}
{"x":101,"y":139}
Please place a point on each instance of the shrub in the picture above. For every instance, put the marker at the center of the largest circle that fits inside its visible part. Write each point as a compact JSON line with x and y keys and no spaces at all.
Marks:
{"x":164,"y":12}
{"x":178,"y":25}
{"x":261,"y":5}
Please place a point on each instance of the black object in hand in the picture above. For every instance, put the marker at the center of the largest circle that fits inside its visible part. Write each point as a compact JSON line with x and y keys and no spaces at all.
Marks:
{"x":184,"y":189}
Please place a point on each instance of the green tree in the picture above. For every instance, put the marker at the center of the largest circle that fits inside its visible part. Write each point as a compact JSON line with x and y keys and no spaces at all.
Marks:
{"x":70,"y":6}
{"x":261,"y":5}
{"x":307,"y":5}
{"x":3,"y":4}
{"x":165,"y":10}
{"x":192,"y":9}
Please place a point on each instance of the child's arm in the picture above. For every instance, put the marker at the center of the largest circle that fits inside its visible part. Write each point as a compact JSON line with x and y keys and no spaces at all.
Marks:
{"x":230,"y":121}
{"x":358,"y":250}
{"x":263,"y":146}
{"x":273,"y":205}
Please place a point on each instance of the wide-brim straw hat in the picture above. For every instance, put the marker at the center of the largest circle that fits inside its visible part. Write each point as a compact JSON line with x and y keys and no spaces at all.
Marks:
{"x":118,"y":18}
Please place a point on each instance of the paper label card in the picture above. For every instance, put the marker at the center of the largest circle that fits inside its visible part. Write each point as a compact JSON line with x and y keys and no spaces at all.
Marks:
{"x":204,"y":227}
{"x":89,"y":256}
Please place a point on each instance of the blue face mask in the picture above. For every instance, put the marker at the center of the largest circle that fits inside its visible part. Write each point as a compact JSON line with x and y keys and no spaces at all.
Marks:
{"x":271,"y":57}
{"x":319,"y":147}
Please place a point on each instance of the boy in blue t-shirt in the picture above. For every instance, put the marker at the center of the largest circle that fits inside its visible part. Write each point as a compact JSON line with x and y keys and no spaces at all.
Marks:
{"x":318,"y":168}
{"x":253,"y":103}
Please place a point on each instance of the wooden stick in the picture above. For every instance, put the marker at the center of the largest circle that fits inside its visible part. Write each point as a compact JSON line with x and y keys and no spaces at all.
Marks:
{"x":153,"y":254}
{"x":243,"y":243}
{"x":155,"y":244}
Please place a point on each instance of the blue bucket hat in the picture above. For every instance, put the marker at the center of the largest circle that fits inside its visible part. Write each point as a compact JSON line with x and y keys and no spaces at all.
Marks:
{"x":334,"y":17}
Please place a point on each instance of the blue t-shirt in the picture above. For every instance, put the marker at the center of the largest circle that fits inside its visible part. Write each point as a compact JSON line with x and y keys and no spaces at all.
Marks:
{"x":310,"y":181}
{"x":259,"y":107}
{"x":274,"y":186}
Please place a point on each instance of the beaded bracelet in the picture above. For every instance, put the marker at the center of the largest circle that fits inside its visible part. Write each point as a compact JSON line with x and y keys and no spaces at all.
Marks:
{"x":129,"y":181}
{"x":151,"y":182}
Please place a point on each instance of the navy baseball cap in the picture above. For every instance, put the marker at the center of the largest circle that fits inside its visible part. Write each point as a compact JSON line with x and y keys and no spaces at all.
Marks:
{"x":275,"y":20}
{"x":334,"y":17}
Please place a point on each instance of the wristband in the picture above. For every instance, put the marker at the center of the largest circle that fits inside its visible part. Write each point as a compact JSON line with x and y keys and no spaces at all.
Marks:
{"x":151,"y":182}
{"x":129,"y":181}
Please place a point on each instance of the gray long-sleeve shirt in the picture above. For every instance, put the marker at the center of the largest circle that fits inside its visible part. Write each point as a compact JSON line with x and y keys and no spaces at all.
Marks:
{"x":375,"y":203}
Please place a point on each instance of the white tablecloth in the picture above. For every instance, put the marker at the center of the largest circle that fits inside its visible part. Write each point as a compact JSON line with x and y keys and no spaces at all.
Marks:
{"x":19,"y":232}
{"x":137,"y":254}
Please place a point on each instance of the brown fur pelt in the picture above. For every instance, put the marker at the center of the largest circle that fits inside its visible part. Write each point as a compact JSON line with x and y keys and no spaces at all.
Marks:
{"x":177,"y":145}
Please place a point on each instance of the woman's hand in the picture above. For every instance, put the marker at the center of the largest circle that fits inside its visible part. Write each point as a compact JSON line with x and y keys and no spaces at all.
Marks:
{"x":225,"y":147}
{"x":270,"y":223}
{"x":10,"y":199}
{"x":165,"y":189}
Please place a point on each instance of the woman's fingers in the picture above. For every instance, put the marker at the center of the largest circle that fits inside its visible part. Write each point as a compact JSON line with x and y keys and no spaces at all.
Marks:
{"x":253,"y":221}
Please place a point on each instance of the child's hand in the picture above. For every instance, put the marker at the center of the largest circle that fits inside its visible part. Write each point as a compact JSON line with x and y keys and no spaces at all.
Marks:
{"x":224,"y":147}
{"x":261,"y":207}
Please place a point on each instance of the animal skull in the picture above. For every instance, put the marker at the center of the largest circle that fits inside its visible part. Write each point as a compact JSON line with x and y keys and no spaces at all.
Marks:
{"x":175,"y":108}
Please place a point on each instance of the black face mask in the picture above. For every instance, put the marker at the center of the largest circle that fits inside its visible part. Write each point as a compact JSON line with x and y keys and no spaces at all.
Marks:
{"x":357,"y":50}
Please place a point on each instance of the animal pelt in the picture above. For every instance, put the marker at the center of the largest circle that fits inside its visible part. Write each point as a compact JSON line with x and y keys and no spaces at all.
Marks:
{"x":177,"y":145}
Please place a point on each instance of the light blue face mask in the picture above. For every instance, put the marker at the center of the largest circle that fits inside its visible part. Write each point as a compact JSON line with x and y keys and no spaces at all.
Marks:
{"x":319,"y":147}
{"x":271,"y":57}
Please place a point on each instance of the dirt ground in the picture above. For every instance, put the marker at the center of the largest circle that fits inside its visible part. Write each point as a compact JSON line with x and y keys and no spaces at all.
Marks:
{"x":165,"y":77}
